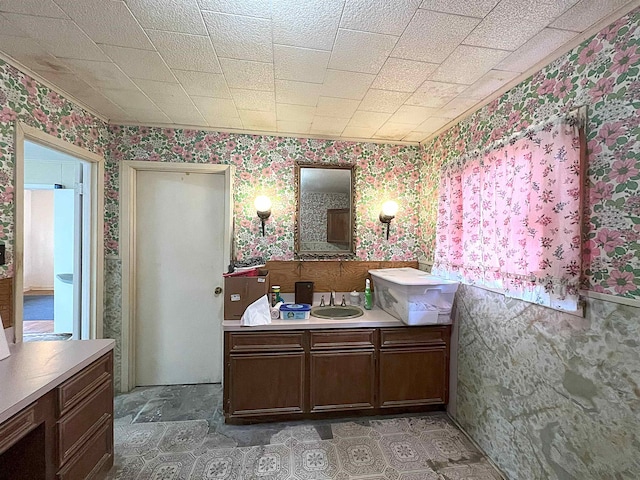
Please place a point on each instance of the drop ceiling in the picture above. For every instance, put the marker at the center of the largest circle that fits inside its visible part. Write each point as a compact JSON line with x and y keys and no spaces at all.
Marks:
{"x":395,"y":70}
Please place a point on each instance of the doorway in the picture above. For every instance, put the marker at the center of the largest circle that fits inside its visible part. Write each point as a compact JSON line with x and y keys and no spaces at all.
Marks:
{"x":176,"y":242}
{"x":58,"y":239}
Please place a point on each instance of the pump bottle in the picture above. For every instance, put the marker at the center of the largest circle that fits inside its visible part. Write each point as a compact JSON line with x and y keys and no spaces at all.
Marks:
{"x":368,"y":299}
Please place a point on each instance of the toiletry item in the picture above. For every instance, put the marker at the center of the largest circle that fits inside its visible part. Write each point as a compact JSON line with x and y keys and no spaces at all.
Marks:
{"x":368,"y":299}
{"x":295,"y":311}
{"x":354,"y":298}
{"x":275,"y":295}
{"x":304,"y":292}
{"x":275,"y":311}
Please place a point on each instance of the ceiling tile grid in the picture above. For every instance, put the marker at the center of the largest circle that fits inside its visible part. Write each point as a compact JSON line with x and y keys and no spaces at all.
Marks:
{"x":364,"y":69}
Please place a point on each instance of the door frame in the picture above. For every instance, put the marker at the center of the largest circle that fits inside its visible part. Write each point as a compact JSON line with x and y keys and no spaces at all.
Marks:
{"x":128,"y":176}
{"x":96,"y":255}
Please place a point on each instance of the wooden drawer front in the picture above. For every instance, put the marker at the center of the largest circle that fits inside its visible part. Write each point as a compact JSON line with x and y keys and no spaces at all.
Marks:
{"x":414,"y":336}
{"x":79,"y":424}
{"x":340,"y":339}
{"x":80,"y":385}
{"x":95,"y":456}
{"x":17,"y":427}
{"x":259,"y":341}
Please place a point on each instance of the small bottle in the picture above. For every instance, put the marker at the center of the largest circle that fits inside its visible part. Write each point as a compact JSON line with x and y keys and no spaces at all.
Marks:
{"x":368,"y":299}
{"x":275,"y":294}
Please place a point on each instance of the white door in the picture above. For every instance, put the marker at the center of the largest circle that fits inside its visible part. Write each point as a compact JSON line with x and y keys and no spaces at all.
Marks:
{"x":179,"y":263}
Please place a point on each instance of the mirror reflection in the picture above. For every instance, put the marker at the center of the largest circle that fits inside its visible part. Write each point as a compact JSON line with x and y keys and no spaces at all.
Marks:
{"x":325,"y":210}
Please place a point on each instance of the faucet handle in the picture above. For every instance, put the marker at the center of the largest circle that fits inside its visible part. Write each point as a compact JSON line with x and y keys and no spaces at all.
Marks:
{"x":322,"y":301}
{"x":344,"y":302}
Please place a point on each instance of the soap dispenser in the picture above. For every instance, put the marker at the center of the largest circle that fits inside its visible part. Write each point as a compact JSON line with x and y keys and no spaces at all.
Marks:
{"x":368,"y":299}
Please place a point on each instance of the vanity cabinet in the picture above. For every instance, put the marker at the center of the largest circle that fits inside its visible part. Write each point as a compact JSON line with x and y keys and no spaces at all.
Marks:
{"x":281,"y":375}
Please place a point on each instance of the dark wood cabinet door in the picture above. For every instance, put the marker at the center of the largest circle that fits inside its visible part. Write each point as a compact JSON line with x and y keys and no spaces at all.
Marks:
{"x":342,"y":380}
{"x":266,"y":384}
{"x":413,"y":376}
{"x":338,"y":222}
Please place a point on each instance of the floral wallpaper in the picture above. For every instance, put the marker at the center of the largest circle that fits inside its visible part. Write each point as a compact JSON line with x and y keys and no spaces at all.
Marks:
{"x":313,"y":213}
{"x":602,"y":73}
{"x":265,"y":165}
{"x":28,"y":101}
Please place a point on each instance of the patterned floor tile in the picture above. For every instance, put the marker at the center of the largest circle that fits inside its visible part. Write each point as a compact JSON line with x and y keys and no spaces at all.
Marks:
{"x":360,"y":456}
{"x":446,"y":446}
{"x":315,"y":460}
{"x":269,"y":462}
{"x":424,"y":475}
{"x":137,"y":439}
{"x":219,"y":464}
{"x":404,"y":452}
{"x":390,"y":425}
{"x":125,"y":468}
{"x":427,"y":423}
{"x":176,"y":466}
{"x":183,"y":436}
{"x":349,"y":430}
{"x":474,"y":471}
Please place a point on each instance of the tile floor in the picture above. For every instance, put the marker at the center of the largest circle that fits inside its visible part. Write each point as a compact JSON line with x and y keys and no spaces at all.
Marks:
{"x":178,"y":432}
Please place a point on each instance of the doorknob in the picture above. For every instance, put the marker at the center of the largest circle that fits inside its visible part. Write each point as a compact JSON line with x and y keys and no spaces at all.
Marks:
{"x":218,"y":290}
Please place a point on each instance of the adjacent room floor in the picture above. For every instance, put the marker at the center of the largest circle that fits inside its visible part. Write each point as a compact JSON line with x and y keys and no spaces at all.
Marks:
{"x":178,"y":432}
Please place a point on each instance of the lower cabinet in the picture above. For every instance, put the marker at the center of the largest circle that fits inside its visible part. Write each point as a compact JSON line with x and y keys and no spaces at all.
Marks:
{"x":274,"y":375}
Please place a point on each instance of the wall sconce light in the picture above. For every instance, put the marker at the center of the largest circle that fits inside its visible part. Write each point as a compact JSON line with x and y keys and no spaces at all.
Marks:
{"x":263,"y":207}
{"x":388,"y":213}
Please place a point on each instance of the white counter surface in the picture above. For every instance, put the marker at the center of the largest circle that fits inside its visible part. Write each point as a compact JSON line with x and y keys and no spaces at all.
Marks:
{"x":371,"y":318}
{"x":34,"y":368}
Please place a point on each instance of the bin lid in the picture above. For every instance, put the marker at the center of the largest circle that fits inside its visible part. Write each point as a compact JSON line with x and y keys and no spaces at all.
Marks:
{"x":409,"y":276}
{"x":295,"y":307}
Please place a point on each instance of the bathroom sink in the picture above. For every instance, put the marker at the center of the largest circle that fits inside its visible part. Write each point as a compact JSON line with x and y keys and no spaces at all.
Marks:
{"x":336,"y":313}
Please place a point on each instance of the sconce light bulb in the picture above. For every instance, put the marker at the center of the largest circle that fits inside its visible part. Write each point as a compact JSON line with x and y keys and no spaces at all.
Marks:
{"x":262,"y":203}
{"x":390,"y":208}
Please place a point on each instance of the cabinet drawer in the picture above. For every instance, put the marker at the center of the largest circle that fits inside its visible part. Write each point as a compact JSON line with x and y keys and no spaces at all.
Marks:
{"x":80,"y":385}
{"x":252,"y":342}
{"x":414,"y":336}
{"x":96,"y":455}
{"x":17,"y":427}
{"x":338,"y":339}
{"x":81,"y":422}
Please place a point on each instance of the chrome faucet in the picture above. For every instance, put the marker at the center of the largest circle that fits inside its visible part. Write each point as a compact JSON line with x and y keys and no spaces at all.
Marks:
{"x":332,"y":299}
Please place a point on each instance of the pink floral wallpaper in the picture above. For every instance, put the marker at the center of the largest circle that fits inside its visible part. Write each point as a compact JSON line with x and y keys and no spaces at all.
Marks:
{"x":602,"y":73}
{"x":28,"y":101}
{"x":265,"y":165}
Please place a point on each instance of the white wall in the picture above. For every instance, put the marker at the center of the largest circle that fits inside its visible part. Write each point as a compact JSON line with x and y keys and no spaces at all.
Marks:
{"x":38,"y":240}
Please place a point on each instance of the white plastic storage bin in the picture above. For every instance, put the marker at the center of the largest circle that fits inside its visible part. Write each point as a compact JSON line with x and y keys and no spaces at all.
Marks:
{"x":413,"y":296}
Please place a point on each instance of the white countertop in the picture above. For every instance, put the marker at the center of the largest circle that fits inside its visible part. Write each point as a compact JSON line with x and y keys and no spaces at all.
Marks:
{"x":371,"y":318}
{"x":34,"y":368}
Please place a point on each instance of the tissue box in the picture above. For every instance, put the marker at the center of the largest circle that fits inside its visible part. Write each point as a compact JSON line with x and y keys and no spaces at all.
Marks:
{"x":295,"y":311}
{"x":240,"y":292}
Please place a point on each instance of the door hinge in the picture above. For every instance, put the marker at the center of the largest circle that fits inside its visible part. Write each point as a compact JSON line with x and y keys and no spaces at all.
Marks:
{"x":79,"y":188}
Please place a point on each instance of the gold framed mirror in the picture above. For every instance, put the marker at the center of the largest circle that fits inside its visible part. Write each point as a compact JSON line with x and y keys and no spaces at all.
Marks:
{"x":325,"y":210}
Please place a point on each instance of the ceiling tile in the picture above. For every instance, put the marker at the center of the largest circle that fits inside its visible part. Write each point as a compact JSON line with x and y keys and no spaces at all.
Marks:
{"x":328,"y":125}
{"x":62,"y":38}
{"x":107,"y":22}
{"x":212,"y":107}
{"x":224,"y":122}
{"x":393,"y":131}
{"x":412,"y":114}
{"x":343,"y":84}
{"x":536,"y":49}
{"x":431,"y":37}
{"x":149,"y":115}
{"x":41,"y":8}
{"x":297,"y":93}
{"x":301,"y":64}
{"x":379,"y":16}
{"x":467,"y":64}
{"x":432,"y":124}
{"x":492,"y":81}
{"x":413,"y":137}
{"x":252,"y":8}
{"x":512,"y":22}
{"x":186,"y":52}
{"x":361,"y":51}
{"x":248,"y":74}
{"x":402,"y":75}
{"x":295,"y":113}
{"x":182,"y":114}
{"x":128,"y":99}
{"x":285,"y":126}
{"x":470,"y":8}
{"x":336,"y":107}
{"x":383,"y":101}
{"x":139,"y":63}
{"x":435,"y":94}
{"x":368,"y":120}
{"x":456,"y":107}
{"x":29,"y":53}
{"x":240,"y":37}
{"x":358,"y":132}
{"x":203,"y":84}
{"x":171,"y":15}
{"x":255,"y":120}
{"x":171,"y":93}
{"x":68,"y":82}
{"x":102,"y":74}
{"x":8,"y":28}
{"x":315,"y":22}
{"x":587,"y":12}
{"x":254,"y":100}
{"x":101,"y":104}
